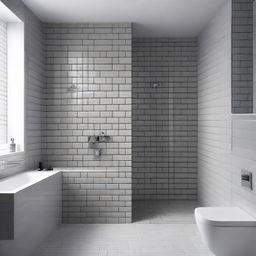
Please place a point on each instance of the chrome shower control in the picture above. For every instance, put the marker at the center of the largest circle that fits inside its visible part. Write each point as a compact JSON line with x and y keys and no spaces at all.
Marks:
{"x":246,"y":179}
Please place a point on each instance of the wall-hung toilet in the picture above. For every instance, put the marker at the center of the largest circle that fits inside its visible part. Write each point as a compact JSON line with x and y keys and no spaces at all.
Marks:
{"x":227,"y":231}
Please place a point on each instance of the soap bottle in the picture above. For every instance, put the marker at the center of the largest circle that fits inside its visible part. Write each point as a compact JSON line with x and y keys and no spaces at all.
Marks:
{"x":12,"y":146}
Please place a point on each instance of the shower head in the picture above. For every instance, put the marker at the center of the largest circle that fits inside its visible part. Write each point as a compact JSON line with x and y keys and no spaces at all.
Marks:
{"x":73,"y":88}
{"x":156,"y":85}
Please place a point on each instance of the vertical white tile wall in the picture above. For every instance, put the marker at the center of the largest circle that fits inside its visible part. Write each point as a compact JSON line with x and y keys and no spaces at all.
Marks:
{"x":95,"y":58}
{"x":164,"y":118}
{"x":243,"y":158}
{"x":214,"y":110}
{"x":243,"y":126}
{"x":225,"y":146}
{"x":3,"y":82}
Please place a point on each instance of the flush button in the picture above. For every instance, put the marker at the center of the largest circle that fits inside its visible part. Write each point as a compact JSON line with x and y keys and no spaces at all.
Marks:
{"x":246,"y":179}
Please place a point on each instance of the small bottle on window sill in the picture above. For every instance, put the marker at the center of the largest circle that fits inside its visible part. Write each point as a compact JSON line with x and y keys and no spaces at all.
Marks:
{"x":12,"y":146}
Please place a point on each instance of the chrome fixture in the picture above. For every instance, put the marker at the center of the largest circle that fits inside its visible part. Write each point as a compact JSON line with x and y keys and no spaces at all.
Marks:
{"x":246,"y":179}
{"x":101,"y":138}
{"x":156,"y":85}
{"x":73,"y":88}
{"x":75,"y":80}
{"x":95,"y":140}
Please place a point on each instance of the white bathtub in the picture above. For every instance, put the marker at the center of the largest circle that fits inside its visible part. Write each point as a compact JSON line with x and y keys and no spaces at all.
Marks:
{"x":23,"y":180}
{"x":30,"y":208}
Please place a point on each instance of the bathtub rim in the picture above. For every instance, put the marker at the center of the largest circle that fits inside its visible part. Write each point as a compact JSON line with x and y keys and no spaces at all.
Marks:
{"x":85,"y":169}
{"x":28,"y":184}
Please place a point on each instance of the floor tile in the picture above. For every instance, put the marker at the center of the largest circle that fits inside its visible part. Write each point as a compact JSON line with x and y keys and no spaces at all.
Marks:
{"x":160,"y":228}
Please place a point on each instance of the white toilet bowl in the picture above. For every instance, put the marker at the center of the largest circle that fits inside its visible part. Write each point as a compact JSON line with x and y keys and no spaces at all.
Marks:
{"x":227,"y":231}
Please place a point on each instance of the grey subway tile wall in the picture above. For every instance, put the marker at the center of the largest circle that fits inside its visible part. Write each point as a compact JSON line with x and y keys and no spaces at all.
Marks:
{"x":164,"y":118}
{"x":242,"y":56}
{"x":88,"y":91}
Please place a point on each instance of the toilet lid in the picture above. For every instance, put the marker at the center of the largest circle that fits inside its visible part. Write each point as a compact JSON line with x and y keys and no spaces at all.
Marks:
{"x":225,"y":216}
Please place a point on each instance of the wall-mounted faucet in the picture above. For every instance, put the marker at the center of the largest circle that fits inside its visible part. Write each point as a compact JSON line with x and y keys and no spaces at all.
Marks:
{"x":94,"y":141}
{"x":101,"y":138}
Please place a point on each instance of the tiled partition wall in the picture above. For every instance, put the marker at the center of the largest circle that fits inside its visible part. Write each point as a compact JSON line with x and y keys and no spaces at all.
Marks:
{"x":34,"y":87}
{"x":242,"y":56}
{"x":214,"y":110}
{"x":88,"y":91}
{"x":164,"y":118}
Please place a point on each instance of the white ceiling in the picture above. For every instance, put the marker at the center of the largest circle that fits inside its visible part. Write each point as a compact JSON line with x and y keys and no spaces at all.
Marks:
{"x":161,"y":18}
{"x":7,"y":15}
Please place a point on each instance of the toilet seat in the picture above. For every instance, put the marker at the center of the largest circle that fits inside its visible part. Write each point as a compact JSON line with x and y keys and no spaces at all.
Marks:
{"x":224,"y":217}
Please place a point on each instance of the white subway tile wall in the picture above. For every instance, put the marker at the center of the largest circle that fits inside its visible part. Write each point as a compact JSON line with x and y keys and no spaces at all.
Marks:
{"x":164,"y":118}
{"x":214,"y":110}
{"x":3,"y":82}
{"x":97,"y":197}
{"x":88,"y":91}
{"x":34,"y":89}
{"x":242,"y":56}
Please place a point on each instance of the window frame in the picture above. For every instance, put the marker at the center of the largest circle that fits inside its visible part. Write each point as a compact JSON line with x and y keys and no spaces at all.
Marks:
{"x":15,"y":82}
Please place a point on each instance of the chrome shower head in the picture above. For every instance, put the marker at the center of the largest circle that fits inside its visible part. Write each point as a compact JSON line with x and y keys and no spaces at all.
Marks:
{"x":156,"y":85}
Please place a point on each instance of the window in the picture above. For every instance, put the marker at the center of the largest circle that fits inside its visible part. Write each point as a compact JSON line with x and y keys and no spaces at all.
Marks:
{"x":11,"y":81}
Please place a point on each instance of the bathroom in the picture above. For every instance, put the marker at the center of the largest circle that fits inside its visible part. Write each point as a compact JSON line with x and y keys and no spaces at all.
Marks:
{"x":127,"y":128}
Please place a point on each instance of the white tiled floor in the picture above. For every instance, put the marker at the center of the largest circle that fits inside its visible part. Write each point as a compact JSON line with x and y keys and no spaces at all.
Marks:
{"x":164,"y":211}
{"x":138,"y":239}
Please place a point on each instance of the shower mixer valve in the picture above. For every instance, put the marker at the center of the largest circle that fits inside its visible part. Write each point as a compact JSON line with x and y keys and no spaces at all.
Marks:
{"x":101,"y":138}
{"x":94,"y":141}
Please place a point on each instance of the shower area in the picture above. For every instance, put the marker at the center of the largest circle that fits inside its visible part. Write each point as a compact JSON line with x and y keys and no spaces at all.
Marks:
{"x":164,"y":126}
{"x":142,"y":94}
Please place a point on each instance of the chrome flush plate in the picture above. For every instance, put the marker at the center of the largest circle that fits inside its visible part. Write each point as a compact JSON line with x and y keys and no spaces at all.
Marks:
{"x":246,"y":179}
